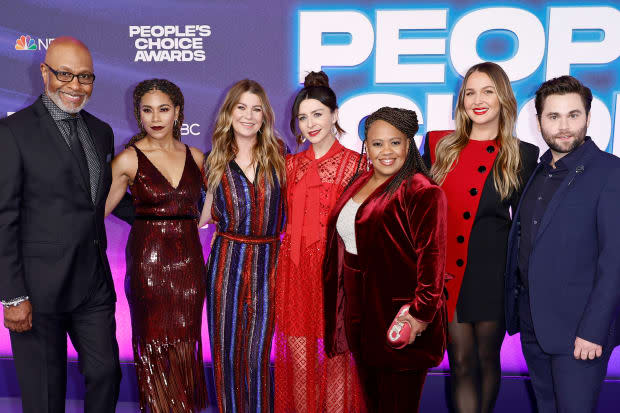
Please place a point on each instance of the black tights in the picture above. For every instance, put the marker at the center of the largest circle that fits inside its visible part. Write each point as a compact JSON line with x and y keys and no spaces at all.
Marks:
{"x":475,"y":369}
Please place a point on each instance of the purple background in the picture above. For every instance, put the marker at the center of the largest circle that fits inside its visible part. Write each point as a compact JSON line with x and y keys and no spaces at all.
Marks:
{"x":248,"y":39}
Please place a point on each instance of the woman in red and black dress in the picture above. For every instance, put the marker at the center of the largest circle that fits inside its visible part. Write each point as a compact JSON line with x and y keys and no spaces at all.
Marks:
{"x":482,"y":168}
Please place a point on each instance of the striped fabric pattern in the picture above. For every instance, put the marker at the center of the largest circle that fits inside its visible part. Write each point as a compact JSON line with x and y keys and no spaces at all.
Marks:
{"x":240,"y":295}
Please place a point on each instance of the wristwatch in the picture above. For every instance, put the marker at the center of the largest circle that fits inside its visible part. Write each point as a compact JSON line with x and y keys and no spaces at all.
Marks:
{"x":15,"y":301}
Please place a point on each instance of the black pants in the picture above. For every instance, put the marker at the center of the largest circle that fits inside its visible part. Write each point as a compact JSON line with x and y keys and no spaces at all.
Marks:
{"x":561,"y":383}
{"x":40,"y":355}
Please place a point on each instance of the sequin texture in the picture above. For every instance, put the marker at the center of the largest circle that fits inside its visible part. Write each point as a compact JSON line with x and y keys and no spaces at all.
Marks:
{"x":165,"y":286}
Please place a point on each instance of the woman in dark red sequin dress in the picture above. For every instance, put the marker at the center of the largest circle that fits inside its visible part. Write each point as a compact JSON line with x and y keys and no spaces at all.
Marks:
{"x":165,"y":280}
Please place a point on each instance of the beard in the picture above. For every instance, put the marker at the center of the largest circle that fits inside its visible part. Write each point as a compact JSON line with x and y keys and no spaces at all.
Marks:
{"x":579,"y":137}
{"x":55,"y":97}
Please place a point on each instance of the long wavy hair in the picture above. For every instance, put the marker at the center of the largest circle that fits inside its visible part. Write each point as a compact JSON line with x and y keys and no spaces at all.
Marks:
{"x":508,"y":162}
{"x":268,"y":151}
{"x":171,"y":90}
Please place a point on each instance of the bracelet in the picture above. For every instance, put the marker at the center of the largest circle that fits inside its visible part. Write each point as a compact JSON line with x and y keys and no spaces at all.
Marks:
{"x":15,"y":301}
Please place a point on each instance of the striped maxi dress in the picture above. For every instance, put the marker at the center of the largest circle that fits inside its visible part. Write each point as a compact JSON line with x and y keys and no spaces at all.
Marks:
{"x":240,"y":288}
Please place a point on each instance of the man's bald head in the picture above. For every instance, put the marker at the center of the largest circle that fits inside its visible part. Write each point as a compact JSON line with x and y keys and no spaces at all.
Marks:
{"x":67,"y":48}
{"x":67,"y":54}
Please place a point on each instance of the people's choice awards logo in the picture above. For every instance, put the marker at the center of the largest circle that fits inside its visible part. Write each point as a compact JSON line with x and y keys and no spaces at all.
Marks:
{"x":25,"y":43}
{"x":169,"y":43}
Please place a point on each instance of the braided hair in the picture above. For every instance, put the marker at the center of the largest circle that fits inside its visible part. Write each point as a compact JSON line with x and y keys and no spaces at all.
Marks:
{"x":169,"y":89}
{"x":405,"y":121}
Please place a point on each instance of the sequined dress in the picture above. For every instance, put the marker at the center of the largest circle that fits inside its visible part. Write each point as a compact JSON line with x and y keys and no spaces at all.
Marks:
{"x":306,"y":380}
{"x":241,"y":273}
{"x":165,"y":287}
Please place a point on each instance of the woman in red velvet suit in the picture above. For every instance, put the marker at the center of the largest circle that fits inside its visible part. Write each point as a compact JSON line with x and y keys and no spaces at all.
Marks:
{"x":482,"y":168}
{"x":386,"y":244}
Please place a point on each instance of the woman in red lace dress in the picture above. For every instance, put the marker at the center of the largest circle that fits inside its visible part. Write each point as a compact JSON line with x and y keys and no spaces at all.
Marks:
{"x":306,"y":381}
{"x":165,"y":280}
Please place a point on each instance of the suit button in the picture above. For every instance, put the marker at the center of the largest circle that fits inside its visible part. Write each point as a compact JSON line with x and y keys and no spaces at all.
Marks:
{"x":516,"y":291}
{"x":490,"y":149}
{"x":482,"y":168}
{"x":473,"y":191}
{"x":96,"y":242}
{"x":460,"y":262}
{"x":466,"y":215}
{"x":460,"y":239}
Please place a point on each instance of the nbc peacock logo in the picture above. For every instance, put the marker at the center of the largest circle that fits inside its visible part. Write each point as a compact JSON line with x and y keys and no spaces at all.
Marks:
{"x":25,"y":43}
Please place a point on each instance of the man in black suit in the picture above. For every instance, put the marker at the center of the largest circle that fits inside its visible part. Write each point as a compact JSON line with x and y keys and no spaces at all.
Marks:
{"x":54,"y":274}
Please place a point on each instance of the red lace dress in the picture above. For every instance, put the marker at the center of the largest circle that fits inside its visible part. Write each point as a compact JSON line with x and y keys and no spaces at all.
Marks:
{"x":306,"y":380}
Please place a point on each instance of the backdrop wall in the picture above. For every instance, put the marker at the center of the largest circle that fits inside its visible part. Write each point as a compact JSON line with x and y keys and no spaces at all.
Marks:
{"x":401,"y":53}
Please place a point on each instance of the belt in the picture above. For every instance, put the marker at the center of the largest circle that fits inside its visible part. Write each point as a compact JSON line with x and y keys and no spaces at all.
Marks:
{"x":248,"y":239}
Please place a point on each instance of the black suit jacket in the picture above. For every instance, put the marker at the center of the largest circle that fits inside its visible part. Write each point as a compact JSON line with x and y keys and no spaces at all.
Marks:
{"x":52,"y":235}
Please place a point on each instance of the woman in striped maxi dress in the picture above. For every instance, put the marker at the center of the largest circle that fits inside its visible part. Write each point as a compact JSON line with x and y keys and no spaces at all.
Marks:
{"x":244,"y":177}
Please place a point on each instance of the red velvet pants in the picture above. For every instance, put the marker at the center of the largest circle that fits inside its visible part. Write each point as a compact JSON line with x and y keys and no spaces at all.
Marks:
{"x":385,"y":390}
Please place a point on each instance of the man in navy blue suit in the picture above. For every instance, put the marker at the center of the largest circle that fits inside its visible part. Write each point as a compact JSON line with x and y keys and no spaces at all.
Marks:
{"x":563,"y":270}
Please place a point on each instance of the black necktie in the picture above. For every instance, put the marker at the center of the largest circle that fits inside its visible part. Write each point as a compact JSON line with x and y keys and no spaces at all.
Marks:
{"x":78,"y":149}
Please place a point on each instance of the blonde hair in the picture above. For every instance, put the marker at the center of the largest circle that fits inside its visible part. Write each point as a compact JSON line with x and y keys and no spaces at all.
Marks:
{"x":268,"y":151}
{"x":508,"y":162}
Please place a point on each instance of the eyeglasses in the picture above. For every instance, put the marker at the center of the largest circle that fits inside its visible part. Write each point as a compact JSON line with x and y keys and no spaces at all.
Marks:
{"x":83,"y":78}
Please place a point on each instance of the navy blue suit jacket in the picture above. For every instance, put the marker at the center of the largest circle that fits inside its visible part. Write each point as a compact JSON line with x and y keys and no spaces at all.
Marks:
{"x":574,"y":267}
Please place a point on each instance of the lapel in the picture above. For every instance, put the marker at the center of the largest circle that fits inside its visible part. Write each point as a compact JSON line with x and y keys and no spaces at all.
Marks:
{"x":559,"y":195}
{"x":49,"y":126}
{"x":100,"y":149}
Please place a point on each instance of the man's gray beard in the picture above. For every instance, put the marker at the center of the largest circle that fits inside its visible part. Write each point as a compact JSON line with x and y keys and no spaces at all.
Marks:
{"x":56,"y":99}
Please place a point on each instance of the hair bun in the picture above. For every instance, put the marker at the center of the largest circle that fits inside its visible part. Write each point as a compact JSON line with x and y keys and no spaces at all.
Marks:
{"x":314,"y":79}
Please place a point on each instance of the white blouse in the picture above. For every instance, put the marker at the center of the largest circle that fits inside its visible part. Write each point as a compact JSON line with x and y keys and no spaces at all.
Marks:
{"x":345,"y":225}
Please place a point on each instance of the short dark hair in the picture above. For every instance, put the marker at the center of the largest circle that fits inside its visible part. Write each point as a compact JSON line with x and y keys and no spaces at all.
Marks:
{"x":561,"y":86}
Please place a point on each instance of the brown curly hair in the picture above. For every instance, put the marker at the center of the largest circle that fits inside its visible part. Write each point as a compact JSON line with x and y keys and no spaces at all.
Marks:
{"x":164,"y":86}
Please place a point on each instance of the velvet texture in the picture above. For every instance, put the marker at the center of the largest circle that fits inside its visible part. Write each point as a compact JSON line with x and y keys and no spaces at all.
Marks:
{"x":401,"y":244}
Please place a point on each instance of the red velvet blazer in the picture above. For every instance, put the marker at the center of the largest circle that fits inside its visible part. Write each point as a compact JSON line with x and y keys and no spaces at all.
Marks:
{"x":401,"y":245}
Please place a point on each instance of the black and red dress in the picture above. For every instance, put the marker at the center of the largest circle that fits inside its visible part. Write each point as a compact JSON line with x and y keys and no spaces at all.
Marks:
{"x":478,"y":226}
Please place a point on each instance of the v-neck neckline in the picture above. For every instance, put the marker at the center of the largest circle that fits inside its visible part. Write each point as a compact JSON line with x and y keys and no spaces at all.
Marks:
{"x":240,"y":170}
{"x":162,"y":175}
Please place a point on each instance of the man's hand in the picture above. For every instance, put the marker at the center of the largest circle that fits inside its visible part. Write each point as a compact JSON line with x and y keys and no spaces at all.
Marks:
{"x":18,"y":318}
{"x":416,"y":326}
{"x":585,"y":350}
